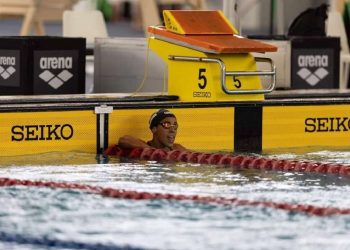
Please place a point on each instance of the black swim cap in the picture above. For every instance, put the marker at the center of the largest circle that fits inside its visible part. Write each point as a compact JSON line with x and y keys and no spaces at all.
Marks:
{"x":158,"y":116}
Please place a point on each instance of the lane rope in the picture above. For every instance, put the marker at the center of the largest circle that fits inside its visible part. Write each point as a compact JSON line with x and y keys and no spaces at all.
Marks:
{"x":135,"y":195}
{"x":228,"y":160}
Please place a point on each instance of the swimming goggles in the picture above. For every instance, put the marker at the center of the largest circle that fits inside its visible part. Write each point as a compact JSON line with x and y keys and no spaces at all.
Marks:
{"x":168,"y":125}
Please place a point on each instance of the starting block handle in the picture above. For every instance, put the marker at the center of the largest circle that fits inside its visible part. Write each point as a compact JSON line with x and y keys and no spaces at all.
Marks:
{"x":225,"y":73}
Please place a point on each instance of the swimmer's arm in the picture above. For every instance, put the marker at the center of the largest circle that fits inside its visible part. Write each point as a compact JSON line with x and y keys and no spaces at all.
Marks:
{"x":129,"y":141}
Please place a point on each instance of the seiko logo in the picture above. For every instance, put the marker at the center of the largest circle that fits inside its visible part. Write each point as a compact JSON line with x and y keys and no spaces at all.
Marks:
{"x":202,"y":94}
{"x":56,"y":62}
{"x":313,"y":61}
{"x":42,"y":132}
{"x":327,"y":124}
{"x":56,"y":81}
{"x":6,"y":72}
{"x":320,"y":61}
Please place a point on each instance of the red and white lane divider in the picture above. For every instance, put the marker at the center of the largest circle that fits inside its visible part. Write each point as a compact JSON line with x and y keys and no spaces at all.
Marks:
{"x":228,"y":160}
{"x":135,"y":195}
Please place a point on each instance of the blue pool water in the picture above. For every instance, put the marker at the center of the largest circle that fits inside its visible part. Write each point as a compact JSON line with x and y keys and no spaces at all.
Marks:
{"x":37,"y":218}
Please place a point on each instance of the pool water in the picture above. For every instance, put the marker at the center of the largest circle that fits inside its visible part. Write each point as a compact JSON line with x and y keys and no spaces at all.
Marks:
{"x":46,"y":218}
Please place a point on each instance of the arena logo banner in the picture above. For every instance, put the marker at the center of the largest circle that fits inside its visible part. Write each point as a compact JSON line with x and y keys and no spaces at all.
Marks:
{"x":55,"y":71}
{"x":312,"y":68}
{"x":9,"y":68}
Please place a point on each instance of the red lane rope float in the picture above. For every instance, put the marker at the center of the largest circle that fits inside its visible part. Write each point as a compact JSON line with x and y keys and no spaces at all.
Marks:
{"x":135,"y":195}
{"x":227,"y":160}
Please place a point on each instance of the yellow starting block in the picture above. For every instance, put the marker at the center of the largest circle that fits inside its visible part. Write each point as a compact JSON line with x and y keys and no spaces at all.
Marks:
{"x":207,"y":60}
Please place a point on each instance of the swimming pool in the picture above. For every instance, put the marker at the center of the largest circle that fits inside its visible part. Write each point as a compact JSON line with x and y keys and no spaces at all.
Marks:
{"x":54,"y":218}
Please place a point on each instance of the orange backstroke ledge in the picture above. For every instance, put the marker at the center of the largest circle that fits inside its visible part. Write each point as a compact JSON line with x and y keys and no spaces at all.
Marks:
{"x":208,"y":31}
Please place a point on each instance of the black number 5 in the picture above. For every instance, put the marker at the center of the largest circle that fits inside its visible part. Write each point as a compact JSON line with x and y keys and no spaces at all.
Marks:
{"x":202,"y":77}
{"x":237,"y":83}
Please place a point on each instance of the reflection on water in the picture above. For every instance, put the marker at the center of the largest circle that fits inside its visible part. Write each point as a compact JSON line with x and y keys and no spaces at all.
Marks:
{"x":74,"y":216}
{"x":338,"y":155}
